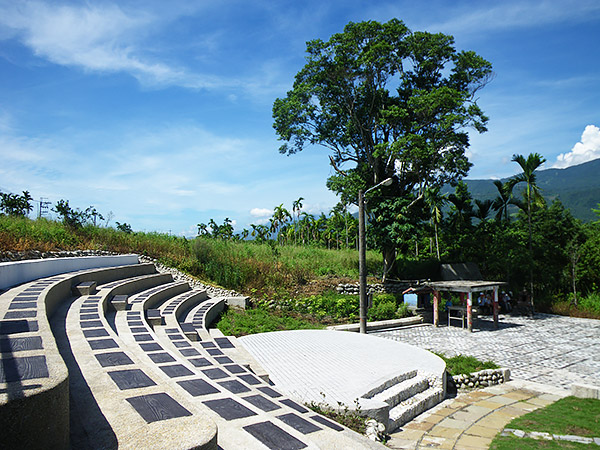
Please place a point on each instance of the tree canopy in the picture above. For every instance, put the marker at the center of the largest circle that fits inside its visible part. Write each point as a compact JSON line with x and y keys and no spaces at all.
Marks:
{"x":387,"y":102}
{"x":16,"y":205}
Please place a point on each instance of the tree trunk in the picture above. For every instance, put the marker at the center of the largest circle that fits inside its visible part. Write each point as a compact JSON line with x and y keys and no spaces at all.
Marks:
{"x":574,"y":272}
{"x":530,"y":250}
{"x":389,"y":262}
{"x":437,"y":244}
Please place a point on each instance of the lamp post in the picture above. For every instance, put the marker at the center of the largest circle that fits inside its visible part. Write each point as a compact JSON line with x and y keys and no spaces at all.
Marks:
{"x":362,"y":254}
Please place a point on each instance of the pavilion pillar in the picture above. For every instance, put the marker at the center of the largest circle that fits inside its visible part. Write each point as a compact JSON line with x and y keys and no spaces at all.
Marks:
{"x":470,"y":311}
{"x":495,"y":307}
{"x":462,"y":298}
{"x":436,"y":306}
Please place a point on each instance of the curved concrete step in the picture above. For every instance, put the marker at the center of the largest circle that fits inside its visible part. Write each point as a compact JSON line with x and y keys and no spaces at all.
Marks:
{"x":402,"y":391}
{"x":154,"y":297}
{"x":390,"y":383}
{"x":411,"y":408}
{"x":134,"y":285}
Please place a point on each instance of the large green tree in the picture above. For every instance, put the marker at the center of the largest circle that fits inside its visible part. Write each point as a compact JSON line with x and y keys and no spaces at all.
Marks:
{"x":385,"y":101}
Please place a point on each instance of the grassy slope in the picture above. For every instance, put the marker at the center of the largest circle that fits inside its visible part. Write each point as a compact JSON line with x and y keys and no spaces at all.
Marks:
{"x":256,"y":269}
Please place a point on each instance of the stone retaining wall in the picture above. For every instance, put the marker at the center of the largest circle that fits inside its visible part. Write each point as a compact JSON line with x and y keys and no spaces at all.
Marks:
{"x":483,"y":378}
{"x":8,"y":256}
{"x":376,"y":288}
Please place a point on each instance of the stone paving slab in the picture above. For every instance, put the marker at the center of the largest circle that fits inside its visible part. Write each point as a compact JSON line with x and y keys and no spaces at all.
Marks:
{"x":472,"y":420}
{"x":548,"y":349}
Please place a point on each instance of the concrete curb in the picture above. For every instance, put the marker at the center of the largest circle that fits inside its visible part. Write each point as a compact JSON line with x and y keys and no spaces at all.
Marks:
{"x":379,"y":325}
{"x":585,"y":391}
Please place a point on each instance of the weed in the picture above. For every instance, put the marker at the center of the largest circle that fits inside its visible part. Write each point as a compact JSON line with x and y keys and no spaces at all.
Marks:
{"x":342,"y":415}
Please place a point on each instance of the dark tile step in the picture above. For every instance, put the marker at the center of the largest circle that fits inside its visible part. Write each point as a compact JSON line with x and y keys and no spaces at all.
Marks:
{"x":156,"y":407}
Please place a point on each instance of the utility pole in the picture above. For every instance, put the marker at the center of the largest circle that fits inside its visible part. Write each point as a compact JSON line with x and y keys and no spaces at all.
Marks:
{"x":362,"y":254}
{"x":362,"y":263}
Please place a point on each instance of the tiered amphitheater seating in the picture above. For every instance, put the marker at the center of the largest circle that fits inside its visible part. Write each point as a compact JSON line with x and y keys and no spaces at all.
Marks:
{"x":123,"y":357}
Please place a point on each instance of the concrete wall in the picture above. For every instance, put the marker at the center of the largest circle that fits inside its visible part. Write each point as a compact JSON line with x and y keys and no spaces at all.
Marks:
{"x":14,"y":273}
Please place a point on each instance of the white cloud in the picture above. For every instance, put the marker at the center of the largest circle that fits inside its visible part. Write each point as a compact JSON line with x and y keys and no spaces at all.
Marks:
{"x":261,"y":212}
{"x":586,"y":150}
{"x":519,"y":14}
{"x":108,"y":38}
{"x":98,"y":38}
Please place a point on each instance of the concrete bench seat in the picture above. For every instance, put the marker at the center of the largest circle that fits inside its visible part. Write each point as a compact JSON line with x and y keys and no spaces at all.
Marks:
{"x":179,"y":306}
{"x":33,"y":376}
{"x":85,"y":288}
{"x":235,"y":398}
{"x":156,"y":296}
{"x":189,"y":331}
{"x":74,"y":370}
{"x":131,"y":401}
{"x":119,"y":302}
{"x":154,"y":317}
{"x":134,"y":285}
{"x":206,"y":314}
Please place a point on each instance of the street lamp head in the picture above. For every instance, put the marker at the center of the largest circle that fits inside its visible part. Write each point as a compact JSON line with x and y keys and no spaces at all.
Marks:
{"x":385,"y":182}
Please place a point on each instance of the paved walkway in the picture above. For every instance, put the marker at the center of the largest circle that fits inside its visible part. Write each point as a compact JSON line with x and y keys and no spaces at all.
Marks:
{"x":471,"y":420}
{"x":548,"y":349}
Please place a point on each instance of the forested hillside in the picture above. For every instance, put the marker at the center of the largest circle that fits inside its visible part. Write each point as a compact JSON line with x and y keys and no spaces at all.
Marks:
{"x":577,"y":187}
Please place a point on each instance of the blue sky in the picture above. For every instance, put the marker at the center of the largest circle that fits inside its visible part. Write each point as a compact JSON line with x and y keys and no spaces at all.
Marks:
{"x":161,"y":111}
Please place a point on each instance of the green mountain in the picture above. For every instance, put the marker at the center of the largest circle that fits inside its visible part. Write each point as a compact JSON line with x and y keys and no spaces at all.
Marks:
{"x":577,"y":187}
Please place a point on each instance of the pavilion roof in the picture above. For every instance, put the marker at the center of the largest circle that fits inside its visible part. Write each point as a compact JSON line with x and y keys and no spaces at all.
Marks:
{"x":463,"y":285}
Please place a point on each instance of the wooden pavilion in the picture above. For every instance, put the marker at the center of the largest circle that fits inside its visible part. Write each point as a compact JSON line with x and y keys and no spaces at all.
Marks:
{"x":465,"y":279}
{"x":465,"y":288}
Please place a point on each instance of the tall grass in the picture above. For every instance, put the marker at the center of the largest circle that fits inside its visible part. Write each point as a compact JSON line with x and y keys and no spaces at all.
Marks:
{"x":588,"y":306}
{"x":258,"y":266}
{"x":245,"y":266}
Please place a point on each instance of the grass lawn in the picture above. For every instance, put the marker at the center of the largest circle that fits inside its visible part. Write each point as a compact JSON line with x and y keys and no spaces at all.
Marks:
{"x":567,"y":416}
{"x":512,"y":443}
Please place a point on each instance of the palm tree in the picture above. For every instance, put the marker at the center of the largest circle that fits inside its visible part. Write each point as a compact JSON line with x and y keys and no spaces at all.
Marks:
{"x":461,"y":209}
{"x":318,"y":228}
{"x":504,"y":199}
{"x":259,"y":232}
{"x":483,"y":209}
{"x":305,"y":226}
{"x":203,"y":229}
{"x":280,"y":217}
{"x":296,"y":207}
{"x":435,"y":202}
{"x":532,"y":196}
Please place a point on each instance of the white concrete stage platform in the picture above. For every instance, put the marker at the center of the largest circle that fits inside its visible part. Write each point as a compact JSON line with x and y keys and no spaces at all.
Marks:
{"x":343,"y":366}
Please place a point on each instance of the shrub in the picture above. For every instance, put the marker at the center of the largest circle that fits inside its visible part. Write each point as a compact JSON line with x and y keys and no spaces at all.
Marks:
{"x":590,"y":303}
{"x":403,"y":311}
{"x":388,"y":306}
{"x":462,"y":364}
{"x":382,"y":311}
{"x":240,"y":322}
